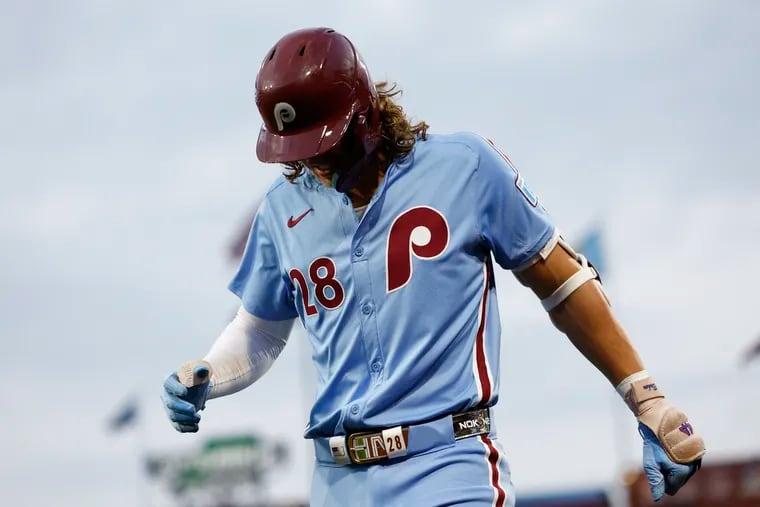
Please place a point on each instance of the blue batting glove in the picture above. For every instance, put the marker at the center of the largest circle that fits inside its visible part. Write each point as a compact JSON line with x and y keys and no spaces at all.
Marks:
{"x":182,"y":404}
{"x":663,"y":474}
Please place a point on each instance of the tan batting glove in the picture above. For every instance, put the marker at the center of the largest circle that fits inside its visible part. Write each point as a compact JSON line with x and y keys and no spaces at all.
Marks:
{"x":670,"y":425}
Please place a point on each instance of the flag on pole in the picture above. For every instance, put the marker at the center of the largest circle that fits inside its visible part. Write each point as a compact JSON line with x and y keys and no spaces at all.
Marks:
{"x":237,"y":247}
{"x":238,"y":244}
{"x":751,"y":354}
{"x":591,"y":246}
{"x":125,"y":416}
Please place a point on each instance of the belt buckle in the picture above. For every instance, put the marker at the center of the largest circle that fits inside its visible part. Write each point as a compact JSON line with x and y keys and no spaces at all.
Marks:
{"x":366,"y":448}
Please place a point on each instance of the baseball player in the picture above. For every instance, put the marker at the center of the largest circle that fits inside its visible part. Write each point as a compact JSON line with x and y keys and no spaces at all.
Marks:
{"x":380,"y":238}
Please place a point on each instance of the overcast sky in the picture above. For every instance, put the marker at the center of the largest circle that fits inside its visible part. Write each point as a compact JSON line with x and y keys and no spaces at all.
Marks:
{"x":127,"y":135}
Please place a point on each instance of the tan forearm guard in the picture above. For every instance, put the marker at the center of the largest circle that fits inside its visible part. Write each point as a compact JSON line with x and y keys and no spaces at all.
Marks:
{"x":670,"y":425}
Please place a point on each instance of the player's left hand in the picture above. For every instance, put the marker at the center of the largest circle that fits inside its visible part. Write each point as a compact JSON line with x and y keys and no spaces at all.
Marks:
{"x":672,"y":449}
{"x":663,"y":474}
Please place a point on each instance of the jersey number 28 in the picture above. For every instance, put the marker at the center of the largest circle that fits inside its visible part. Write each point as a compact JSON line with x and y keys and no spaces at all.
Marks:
{"x":420,"y":232}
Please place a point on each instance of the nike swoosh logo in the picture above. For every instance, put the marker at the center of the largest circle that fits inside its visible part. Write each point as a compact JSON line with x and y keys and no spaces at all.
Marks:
{"x":292,"y":222}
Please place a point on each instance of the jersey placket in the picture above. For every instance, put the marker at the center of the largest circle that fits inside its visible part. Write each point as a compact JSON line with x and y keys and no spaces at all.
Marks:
{"x":365,"y":302}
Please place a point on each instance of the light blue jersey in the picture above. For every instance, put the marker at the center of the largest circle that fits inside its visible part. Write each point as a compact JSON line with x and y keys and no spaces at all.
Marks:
{"x":399,"y":306}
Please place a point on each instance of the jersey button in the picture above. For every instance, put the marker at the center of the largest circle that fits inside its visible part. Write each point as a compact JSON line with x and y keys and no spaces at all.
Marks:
{"x":345,"y":200}
{"x":376,"y":366}
{"x":354,"y":409}
{"x":359,"y":251}
{"x":367,"y":308}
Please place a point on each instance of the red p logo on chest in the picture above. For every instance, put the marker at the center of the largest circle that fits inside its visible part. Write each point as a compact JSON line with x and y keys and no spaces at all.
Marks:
{"x":421,"y":232}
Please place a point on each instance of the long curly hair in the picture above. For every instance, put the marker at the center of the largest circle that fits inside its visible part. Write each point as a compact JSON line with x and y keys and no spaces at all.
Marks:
{"x":398,"y":133}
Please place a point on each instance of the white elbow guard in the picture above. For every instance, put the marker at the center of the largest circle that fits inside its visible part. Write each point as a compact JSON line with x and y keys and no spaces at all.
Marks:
{"x":583,"y":275}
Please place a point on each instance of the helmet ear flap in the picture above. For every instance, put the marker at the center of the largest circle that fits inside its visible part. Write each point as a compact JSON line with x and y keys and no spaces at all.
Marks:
{"x":367,"y":129}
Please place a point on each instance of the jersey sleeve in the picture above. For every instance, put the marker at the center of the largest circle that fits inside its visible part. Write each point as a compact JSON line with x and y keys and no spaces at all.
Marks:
{"x":259,"y":283}
{"x":513,"y":222}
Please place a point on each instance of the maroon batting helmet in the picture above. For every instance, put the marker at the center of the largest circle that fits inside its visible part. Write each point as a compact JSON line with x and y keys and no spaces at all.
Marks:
{"x":310,"y":87}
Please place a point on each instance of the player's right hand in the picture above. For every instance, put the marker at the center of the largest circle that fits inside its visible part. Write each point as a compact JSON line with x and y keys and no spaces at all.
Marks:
{"x":183,"y":400}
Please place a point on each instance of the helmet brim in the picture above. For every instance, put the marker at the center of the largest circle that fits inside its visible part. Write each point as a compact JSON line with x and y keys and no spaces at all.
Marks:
{"x":294,"y":146}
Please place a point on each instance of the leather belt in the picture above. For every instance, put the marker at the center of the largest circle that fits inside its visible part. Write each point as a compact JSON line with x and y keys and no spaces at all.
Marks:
{"x":369,"y":447}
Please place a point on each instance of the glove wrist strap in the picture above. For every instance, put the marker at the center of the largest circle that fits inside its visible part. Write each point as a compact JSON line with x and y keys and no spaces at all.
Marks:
{"x":641,"y":395}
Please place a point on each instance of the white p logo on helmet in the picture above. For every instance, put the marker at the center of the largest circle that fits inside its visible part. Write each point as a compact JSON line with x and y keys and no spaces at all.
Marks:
{"x":283,"y":113}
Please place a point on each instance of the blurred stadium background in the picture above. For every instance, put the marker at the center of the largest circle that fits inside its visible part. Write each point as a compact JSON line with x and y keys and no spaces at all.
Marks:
{"x":129,"y":179}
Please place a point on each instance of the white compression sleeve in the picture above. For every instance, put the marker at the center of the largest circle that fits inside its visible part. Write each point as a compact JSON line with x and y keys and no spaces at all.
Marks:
{"x":245,"y":351}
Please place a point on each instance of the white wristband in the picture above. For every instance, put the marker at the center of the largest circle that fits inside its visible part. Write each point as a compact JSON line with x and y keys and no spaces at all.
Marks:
{"x":625,"y":385}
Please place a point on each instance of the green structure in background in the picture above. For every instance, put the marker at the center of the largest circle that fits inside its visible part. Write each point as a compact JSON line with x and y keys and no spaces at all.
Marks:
{"x":224,"y":465}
